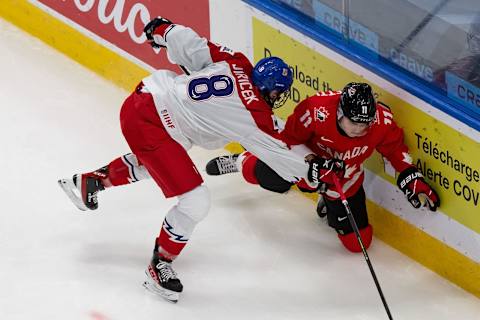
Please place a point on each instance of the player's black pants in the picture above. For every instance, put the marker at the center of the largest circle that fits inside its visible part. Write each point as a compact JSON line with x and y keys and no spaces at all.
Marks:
{"x":336,"y":214}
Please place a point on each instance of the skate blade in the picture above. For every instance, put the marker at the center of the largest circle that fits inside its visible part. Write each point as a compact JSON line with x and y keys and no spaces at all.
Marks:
{"x":68,"y":187}
{"x":152,"y":286}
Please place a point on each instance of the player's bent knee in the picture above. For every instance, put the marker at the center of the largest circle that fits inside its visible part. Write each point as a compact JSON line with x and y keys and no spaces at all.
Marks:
{"x":195,"y":204}
{"x":350,"y":241}
{"x":269,"y":179}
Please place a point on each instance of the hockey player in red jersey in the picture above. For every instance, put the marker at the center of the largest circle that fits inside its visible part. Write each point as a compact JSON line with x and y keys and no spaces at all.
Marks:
{"x":222,"y":98}
{"x":342,"y":128}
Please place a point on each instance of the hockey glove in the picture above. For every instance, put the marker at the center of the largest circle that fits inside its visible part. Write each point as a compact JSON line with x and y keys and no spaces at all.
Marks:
{"x":310,"y":187}
{"x":418,"y":192}
{"x":320,"y":169}
{"x":150,"y":28}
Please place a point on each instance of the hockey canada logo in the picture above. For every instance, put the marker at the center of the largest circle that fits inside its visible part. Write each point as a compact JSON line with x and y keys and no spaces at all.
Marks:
{"x":321,"y":114}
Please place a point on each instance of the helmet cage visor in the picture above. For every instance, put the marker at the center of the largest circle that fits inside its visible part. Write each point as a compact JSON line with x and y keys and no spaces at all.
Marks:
{"x":281,"y":99}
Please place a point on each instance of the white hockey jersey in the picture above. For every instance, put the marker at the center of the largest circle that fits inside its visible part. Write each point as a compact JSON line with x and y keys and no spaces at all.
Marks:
{"x":217,"y":103}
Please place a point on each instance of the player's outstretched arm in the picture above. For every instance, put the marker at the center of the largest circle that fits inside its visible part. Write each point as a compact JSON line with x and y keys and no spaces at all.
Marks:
{"x":410,"y":180}
{"x":184,"y":46}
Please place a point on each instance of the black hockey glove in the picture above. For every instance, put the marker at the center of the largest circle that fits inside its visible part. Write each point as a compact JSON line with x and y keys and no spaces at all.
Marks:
{"x":321,"y":170}
{"x":150,"y":29}
{"x":418,"y":192}
{"x":310,"y":187}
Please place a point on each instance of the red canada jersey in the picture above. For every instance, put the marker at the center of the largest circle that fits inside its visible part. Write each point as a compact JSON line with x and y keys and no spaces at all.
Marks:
{"x":314,"y":123}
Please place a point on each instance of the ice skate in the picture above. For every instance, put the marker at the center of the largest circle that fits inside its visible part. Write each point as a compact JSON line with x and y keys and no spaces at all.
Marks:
{"x":82,"y":189}
{"x":162,"y":280}
{"x":222,"y":165}
{"x":321,"y":207}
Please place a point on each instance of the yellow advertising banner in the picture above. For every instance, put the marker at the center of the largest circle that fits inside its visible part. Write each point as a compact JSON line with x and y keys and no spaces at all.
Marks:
{"x":448,"y":159}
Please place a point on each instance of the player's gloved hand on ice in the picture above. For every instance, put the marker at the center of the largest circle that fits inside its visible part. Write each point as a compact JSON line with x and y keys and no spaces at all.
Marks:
{"x":150,"y":28}
{"x":417,"y":190}
{"x":320,"y":169}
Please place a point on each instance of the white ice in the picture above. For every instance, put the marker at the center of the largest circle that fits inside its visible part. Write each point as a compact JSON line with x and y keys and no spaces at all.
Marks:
{"x":258,"y":255}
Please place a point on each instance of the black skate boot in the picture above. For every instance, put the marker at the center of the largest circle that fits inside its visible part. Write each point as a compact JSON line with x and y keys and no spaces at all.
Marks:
{"x":321,"y":207}
{"x":162,"y":279}
{"x":222,"y":165}
{"x":83,"y":188}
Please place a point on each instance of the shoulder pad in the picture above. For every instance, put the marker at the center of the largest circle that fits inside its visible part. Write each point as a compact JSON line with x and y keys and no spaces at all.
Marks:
{"x":381,"y":104}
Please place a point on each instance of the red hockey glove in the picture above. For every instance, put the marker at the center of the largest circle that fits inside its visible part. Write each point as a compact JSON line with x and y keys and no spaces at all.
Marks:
{"x":411,"y":182}
{"x":320,"y":169}
{"x":150,"y":28}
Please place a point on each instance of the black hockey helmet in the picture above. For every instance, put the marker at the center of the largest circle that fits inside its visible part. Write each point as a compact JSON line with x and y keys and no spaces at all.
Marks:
{"x":357,"y":102}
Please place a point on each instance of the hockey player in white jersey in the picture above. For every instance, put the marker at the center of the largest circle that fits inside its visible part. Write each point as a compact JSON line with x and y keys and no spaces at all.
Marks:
{"x":222,"y":98}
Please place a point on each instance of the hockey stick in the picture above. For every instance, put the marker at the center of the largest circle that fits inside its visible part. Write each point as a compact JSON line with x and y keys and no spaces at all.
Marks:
{"x":184,"y":69}
{"x":351,"y":219}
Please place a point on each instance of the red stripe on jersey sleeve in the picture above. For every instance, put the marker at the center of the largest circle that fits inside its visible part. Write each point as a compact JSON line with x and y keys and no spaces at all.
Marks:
{"x":160,"y":30}
{"x":392,"y":145}
{"x":222,"y":53}
{"x":261,"y":112}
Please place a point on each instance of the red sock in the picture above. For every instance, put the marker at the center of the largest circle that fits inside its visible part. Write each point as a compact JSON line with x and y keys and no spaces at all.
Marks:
{"x":169,"y":244}
{"x":118,"y":172}
{"x":248,"y":167}
{"x":121,"y":171}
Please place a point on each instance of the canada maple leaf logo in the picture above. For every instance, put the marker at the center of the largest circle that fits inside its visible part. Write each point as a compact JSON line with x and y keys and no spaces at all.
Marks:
{"x":349,"y":170}
{"x":321,"y":114}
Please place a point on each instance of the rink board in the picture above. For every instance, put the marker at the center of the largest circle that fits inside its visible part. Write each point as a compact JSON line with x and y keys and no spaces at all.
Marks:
{"x":73,"y":42}
{"x":126,"y":70}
